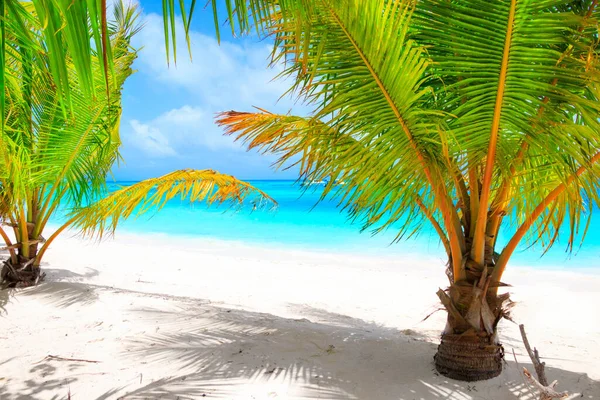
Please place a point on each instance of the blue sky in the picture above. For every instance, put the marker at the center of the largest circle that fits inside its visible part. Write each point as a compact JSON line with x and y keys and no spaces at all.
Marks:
{"x":168,"y":111}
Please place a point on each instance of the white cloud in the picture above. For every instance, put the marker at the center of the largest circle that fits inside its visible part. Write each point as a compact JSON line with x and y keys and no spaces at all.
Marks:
{"x":150,"y":140}
{"x":180,"y":130}
{"x":232,"y":74}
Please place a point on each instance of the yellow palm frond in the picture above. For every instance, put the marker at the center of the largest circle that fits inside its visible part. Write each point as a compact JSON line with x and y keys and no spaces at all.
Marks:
{"x":152,"y":194}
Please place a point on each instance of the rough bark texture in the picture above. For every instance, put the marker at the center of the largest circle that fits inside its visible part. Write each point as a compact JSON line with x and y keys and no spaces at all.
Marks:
{"x":22,"y":275}
{"x":469,"y":350}
{"x":469,"y":357}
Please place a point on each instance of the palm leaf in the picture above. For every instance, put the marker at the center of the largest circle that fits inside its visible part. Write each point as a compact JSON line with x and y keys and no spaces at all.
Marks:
{"x":152,"y":194}
{"x":324,"y":154}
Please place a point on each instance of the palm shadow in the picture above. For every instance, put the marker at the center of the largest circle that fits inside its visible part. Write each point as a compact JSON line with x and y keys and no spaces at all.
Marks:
{"x":60,"y":287}
{"x":5,"y":296}
{"x":221,"y":353}
{"x":58,"y":274}
{"x":62,"y":294}
{"x":196,"y":350}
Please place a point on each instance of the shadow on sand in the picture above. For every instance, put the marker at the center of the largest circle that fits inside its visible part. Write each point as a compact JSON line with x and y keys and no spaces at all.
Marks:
{"x":62,"y":294}
{"x":59,"y":288}
{"x":235,"y":354}
{"x":205,"y":351}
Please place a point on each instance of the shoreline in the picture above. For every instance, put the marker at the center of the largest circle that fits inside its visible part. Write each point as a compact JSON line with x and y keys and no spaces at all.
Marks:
{"x":412,"y":248}
{"x":188,"y":316}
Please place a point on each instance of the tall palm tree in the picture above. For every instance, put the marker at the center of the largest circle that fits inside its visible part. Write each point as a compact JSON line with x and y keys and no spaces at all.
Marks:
{"x":468,"y":115}
{"x":57,"y":149}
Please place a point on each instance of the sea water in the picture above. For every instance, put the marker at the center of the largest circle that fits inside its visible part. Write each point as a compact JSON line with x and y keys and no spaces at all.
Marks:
{"x":301,"y":221}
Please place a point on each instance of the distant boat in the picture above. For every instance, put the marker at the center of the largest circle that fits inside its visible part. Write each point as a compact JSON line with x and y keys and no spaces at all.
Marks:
{"x":310,"y":183}
{"x":322,"y":182}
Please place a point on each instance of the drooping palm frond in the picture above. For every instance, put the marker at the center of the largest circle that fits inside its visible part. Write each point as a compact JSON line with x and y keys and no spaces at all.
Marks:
{"x":288,"y":136}
{"x":324,"y":154}
{"x":152,"y":194}
{"x":343,"y":56}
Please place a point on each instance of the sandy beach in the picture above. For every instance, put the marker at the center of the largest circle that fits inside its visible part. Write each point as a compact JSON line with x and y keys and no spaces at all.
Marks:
{"x":161,"y":317}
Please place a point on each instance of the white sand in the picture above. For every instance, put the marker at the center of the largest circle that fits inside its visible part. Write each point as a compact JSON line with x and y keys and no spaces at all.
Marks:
{"x":168,"y":318}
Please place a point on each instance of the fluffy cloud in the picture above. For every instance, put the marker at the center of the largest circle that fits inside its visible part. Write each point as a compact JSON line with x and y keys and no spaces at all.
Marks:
{"x":169,"y":110}
{"x":222,"y":75}
{"x":179,"y":130}
{"x":150,"y":140}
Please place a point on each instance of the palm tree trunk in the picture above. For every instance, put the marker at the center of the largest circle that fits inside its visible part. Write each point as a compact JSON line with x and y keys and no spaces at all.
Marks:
{"x":469,"y":348}
{"x":470,"y":356}
{"x":24,"y":272}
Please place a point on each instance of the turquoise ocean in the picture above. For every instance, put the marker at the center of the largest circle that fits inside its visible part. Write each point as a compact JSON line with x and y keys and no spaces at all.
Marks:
{"x":302,"y":222}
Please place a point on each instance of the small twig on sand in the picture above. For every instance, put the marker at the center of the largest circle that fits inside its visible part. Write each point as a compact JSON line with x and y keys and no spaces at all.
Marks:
{"x":51,"y":357}
{"x":525,"y":383}
{"x":547,"y":391}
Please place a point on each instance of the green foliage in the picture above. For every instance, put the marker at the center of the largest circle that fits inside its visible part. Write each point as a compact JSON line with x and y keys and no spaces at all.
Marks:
{"x":472,"y":114}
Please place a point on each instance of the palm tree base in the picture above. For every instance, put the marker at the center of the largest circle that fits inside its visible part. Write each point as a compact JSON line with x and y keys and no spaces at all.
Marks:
{"x":19,"y":276}
{"x":469,"y":356}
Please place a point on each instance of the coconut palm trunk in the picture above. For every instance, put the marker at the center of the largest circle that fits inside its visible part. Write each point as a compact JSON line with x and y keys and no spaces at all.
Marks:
{"x":21,"y":268}
{"x":468,"y":116}
{"x":470,"y":349}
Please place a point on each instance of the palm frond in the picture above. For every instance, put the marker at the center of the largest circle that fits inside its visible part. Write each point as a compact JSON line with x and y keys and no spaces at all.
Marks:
{"x":324,"y":154}
{"x":513,"y":72}
{"x":241,"y":16}
{"x":64,"y":29}
{"x":355,"y":63}
{"x":152,"y":194}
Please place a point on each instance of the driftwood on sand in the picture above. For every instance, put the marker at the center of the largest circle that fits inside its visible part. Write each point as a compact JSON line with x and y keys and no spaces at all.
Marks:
{"x":547,"y":391}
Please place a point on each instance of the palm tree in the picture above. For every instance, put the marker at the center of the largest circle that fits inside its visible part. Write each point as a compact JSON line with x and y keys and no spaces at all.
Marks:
{"x":468,"y":115}
{"x":58,"y":148}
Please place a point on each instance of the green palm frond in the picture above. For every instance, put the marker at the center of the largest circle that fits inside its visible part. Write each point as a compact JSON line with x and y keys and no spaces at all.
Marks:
{"x":241,"y":15}
{"x":152,"y":194}
{"x":69,"y":154}
{"x":484,"y":111}
{"x":496,"y":91}
{"x":524,"y":83}
{"x":343,"y":57}
{"x":63,"y":28}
